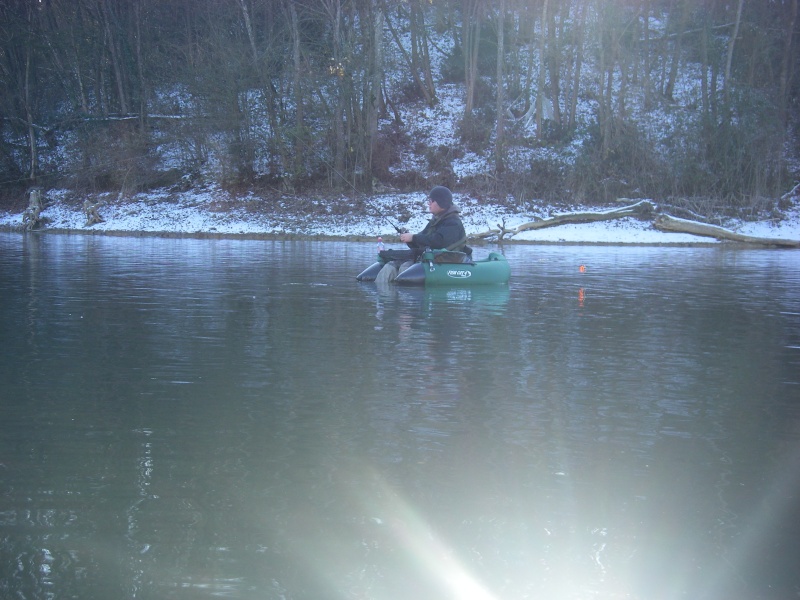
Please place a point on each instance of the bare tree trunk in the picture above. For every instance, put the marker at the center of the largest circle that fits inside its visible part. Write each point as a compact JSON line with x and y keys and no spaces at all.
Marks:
{"x":78,"y":75}
{"x":729,"y":60}
{"x":669,"y":87}
{"x":249,"y":28}
{"x":412,"y":61}
{"x":297,"y":88}
{"x":576,"y":76}
{"x":540,"y":84}
{"x":140,"y":68}
{"x":270,"y":94}
{"x":554,"y":65}
{"x":471,"y":42}
{"x":646,"y":83}
{"x":514,"y":72}
{"x":499,"y":154}
{"x":531,"y":68}
{"x":33,"y":163}
{"x":606,"y":70}
{"x":421,"y":57}
{"x":786,"y":65}
{"x":374,"y":93}
{"x":705,"y":101}
{"x":116,"y":61}
{"x":334,"y":10}
{"x":606,"y":107}
{"x":623,"y":59}
{"x":712,"y":92}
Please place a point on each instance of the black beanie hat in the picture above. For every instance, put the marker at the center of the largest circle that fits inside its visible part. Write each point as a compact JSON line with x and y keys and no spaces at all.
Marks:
{"x":443,"y":196}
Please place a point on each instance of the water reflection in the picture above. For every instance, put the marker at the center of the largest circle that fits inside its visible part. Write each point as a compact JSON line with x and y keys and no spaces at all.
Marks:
{"x":191,"y":419}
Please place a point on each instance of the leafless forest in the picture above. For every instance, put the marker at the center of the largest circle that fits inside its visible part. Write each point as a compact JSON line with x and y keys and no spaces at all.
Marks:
{"x":312,"y":96}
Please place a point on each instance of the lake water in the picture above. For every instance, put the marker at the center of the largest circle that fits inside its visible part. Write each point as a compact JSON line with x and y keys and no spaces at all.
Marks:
{"x":191,"y":419}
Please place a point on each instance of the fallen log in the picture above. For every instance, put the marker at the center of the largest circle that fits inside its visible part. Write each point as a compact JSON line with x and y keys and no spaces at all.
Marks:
{"x":643,"y":209}
{"x":673,"y":224}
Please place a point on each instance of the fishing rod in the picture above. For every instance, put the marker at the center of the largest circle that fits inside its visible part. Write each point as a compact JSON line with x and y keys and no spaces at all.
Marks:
{"x":397,"y":227}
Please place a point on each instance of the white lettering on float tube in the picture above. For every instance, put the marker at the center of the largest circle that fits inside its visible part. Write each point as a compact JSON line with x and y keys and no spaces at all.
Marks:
{"x":459,"y":273}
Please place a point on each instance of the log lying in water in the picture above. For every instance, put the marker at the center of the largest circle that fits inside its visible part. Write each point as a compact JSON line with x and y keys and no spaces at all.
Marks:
{"x":672,"y":224}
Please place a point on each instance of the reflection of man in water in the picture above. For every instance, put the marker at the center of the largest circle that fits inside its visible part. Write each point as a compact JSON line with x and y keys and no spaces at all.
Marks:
{"x":444,"y":231}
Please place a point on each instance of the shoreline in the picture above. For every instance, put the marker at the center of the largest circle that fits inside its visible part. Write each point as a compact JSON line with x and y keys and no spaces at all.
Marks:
{"x":210,"y":214}
{"x":299,"y":237}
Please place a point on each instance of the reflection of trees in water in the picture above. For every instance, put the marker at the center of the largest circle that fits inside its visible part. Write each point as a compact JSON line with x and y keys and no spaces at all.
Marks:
{"x":534,"y":439}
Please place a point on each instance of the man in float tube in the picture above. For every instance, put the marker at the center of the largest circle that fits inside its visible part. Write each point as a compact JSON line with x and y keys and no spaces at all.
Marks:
{"x":444,"y":231}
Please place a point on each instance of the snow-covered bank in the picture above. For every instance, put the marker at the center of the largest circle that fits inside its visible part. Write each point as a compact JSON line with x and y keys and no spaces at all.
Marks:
{"x":216,"y":212}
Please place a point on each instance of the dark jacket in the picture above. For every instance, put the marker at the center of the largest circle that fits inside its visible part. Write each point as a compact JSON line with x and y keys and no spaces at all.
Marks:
{"x":442,"y":231}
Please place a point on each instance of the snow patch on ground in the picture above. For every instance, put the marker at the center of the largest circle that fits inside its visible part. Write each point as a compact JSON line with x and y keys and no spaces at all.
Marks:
{"x":214,"y":211}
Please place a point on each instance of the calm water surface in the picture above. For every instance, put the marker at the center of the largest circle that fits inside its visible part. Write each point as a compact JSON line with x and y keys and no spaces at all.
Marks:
{"x":191,"y":419}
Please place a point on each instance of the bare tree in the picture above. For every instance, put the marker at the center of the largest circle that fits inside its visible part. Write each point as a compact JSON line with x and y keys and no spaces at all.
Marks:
{"x":677,"y":47}
{"x":731,"y":44}
{"x":578,"y":62}
{"x":472,"y":13}
{"x":19,"y":79}
{"x":787,"y":71}
{"x":418,"y":60}
{"x":112,"y":30}
{"x":553,"y":58}
{"x":298,"y":141}
{"x":500,"y":150}
{"x":540,"y":87}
